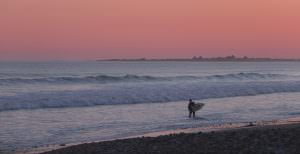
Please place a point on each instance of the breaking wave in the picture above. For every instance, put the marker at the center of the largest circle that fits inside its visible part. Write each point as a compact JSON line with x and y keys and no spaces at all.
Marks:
{"x":138,"y":78}
{"x":143,"y":93}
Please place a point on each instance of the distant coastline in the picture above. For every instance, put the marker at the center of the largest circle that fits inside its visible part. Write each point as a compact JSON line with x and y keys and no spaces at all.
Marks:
{"x":213,"y":59}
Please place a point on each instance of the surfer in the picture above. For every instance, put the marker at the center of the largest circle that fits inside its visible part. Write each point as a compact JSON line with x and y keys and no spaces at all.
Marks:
{"x":190,"y":107}
{"x":193,"y":107}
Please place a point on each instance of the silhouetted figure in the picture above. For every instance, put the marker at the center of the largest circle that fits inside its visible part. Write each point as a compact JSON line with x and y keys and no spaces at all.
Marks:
{"x":190,"y":107}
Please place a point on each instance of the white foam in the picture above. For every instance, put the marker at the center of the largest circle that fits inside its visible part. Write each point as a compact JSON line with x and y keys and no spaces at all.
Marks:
{"x":143,"y":93}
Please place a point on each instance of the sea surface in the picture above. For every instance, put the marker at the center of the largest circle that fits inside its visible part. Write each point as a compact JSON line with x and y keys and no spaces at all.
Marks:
{"x":46,"y":103}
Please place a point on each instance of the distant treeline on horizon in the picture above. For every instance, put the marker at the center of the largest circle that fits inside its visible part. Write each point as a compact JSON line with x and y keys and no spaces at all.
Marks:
{"x":200,"y":59}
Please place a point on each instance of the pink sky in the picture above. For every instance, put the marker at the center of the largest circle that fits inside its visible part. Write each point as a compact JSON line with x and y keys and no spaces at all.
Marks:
{"x":91,"y":29}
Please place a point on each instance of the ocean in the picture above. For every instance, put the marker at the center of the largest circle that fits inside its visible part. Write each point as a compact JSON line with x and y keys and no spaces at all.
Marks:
{"x":48,"y":103}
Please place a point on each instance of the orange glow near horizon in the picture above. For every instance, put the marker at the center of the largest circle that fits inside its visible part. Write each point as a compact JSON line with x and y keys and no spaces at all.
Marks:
{"x":91,"y":29}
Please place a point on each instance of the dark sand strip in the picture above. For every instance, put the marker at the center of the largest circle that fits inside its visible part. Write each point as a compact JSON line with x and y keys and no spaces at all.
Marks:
{"x":278,"y":139}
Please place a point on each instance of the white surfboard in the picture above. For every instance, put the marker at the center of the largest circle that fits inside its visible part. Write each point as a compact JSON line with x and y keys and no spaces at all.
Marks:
{"x":197,"y":107}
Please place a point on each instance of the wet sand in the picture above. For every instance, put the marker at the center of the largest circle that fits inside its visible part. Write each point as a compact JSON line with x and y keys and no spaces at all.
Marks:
{"x":278,"y":136}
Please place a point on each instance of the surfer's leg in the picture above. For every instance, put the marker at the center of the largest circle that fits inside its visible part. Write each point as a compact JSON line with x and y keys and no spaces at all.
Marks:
{"x":190,"y":114}
{"x":194,"y":114}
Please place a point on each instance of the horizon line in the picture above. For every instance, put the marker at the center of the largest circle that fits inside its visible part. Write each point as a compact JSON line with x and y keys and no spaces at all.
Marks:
{"x":147,"y":58}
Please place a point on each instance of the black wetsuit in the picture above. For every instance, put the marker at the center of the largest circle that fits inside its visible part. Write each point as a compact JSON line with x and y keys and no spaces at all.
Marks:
{"x":190,"y":109}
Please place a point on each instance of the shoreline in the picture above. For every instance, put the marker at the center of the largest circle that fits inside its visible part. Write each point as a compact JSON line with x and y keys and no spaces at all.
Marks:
{"x":206,"y":130}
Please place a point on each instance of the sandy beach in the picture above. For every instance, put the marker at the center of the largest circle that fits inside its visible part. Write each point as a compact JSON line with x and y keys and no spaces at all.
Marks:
{"x":277,"y":136}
